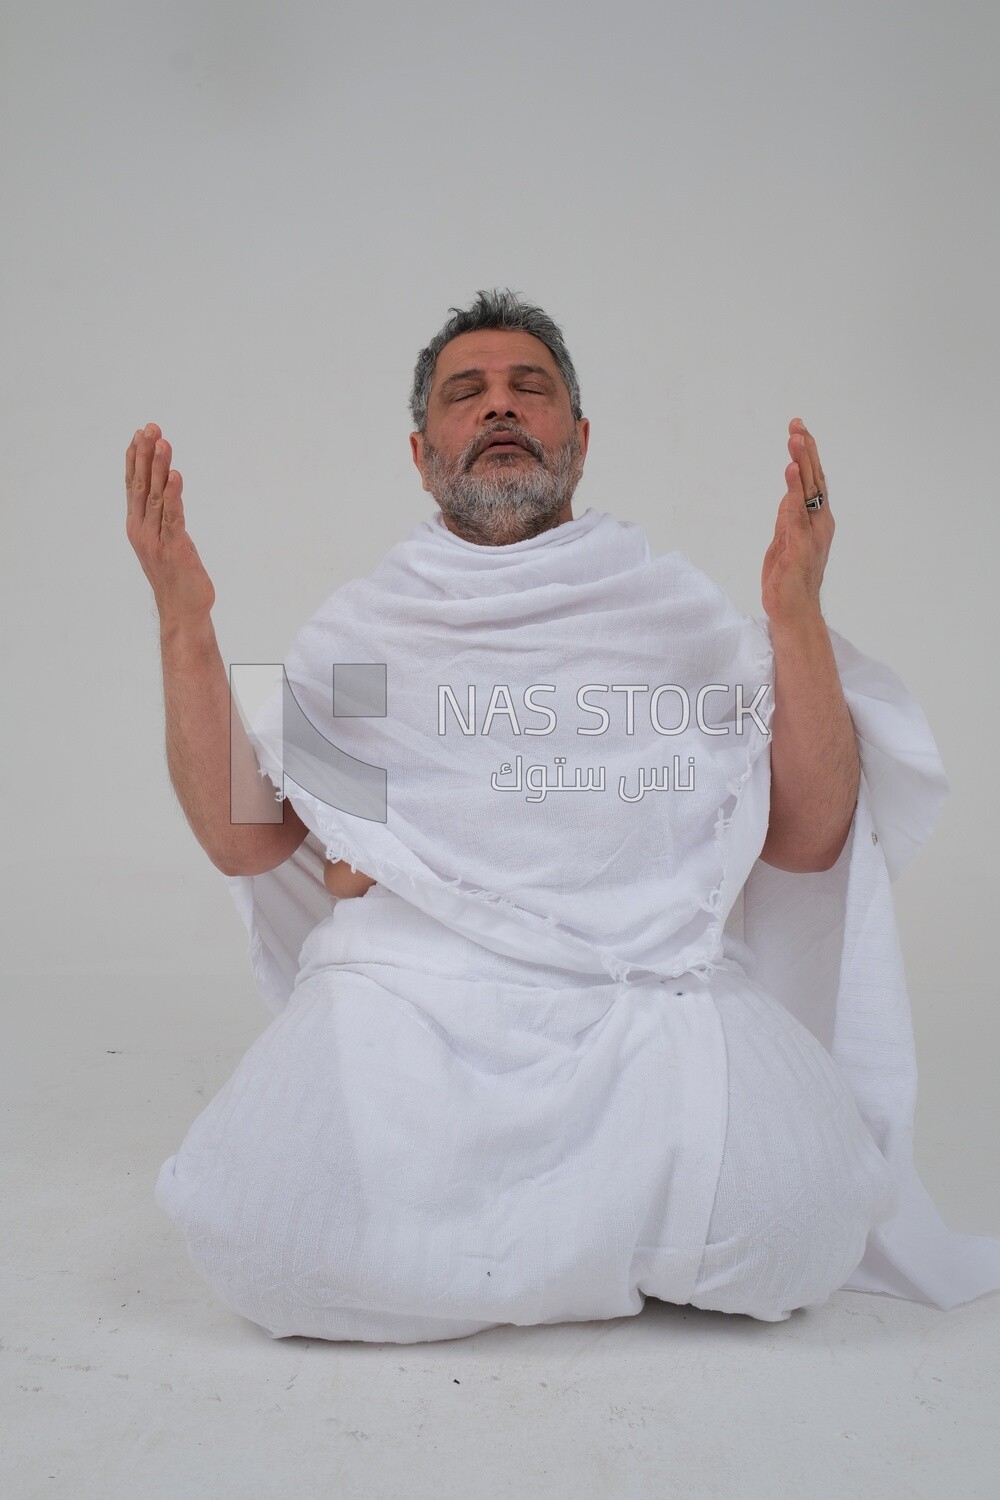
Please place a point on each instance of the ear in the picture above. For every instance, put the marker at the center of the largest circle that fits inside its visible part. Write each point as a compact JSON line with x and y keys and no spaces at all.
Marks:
{"x":583,"y":431}
{"x":417,"y":452}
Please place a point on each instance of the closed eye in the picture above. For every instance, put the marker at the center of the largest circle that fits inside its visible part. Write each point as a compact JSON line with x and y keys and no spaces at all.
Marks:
{"x":528,"y":389}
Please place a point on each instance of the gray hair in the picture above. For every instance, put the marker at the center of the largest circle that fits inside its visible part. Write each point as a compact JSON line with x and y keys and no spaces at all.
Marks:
{"x":494,"y":309}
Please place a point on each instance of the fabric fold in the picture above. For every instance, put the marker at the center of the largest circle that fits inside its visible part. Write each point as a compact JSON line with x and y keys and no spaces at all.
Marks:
{"x":502,"y":830}
{"x":826,"y":945}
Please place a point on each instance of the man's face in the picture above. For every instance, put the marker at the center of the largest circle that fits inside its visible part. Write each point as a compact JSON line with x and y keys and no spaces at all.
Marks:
{"x":491,"y":386}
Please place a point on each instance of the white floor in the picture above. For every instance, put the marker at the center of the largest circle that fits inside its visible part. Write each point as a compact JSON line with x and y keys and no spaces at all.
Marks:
{"x":125,"y":1378}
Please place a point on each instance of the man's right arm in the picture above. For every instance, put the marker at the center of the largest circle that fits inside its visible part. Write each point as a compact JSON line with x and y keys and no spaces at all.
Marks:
{"x":201,"y":723}
{"x":201,"y":717}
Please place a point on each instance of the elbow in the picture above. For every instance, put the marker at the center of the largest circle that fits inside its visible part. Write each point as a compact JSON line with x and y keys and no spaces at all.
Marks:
{"x":832,"y":855}
{"x":818,"y":866}
{"x":799,"y":848}
{"x":229,"y":862}
{"x":796,"y":866}
{"x":799,"y":861}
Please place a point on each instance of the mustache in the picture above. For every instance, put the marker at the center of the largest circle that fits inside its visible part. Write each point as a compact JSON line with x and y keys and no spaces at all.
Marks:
{"x":502,"y":434}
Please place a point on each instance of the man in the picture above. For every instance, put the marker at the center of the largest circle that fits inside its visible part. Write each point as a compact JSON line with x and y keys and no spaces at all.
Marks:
{"x":475,"y":899}
{"x":501,"y":447}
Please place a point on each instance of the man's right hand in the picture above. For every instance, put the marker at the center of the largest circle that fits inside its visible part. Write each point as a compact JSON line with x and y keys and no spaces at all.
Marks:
{"x":341,"y":881}
{"x":155,"y":527}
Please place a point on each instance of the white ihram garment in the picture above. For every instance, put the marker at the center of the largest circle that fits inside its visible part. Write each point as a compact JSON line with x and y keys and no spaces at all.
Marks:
{"x":571,"y":1050}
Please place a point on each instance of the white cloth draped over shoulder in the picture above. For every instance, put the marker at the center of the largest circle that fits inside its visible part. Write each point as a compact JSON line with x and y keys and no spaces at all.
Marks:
{"x":497,"y":827}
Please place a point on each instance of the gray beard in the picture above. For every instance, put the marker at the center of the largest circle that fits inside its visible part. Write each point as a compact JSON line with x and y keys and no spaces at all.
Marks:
{"x":506,"y":498}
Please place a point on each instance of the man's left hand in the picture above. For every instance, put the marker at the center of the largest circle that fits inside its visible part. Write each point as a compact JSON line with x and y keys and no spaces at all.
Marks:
{"x":796,"y":559}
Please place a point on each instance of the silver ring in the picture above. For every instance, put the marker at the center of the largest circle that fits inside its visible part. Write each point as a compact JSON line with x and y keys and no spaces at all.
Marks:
{"x":815,"y":501}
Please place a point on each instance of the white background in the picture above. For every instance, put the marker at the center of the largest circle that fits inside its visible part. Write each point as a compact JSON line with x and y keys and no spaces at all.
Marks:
{"x":243,"y":221}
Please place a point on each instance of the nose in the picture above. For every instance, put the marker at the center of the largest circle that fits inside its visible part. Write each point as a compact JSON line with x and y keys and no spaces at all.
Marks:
{"x":497,"y":410}
{"x":499,"y":402}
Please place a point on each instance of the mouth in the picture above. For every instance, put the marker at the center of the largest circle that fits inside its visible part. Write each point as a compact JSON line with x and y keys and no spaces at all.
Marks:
{"x":503,"y":445}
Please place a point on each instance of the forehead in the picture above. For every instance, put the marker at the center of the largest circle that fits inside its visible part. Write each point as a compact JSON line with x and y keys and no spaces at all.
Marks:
{"x":492,"y":349}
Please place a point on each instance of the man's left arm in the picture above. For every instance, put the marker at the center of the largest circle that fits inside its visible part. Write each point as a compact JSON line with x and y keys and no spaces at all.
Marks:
{"x":815,"y":766}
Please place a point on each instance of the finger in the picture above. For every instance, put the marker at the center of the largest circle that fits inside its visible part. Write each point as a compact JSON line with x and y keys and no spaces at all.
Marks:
{"x":817,"y":467}
{"x":799,"y":449}
{"x":819,"y":523}
{"x":162,"y":454}
{"x":818,"y":477}
{"x":158,"y":470}
{"x":130,"y":467}
{"x":173,"y":508}
{"x":794,"y":503}
{"x":143,"y":465}
{"x":139,"y":485}
{"x":822,"y":518}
